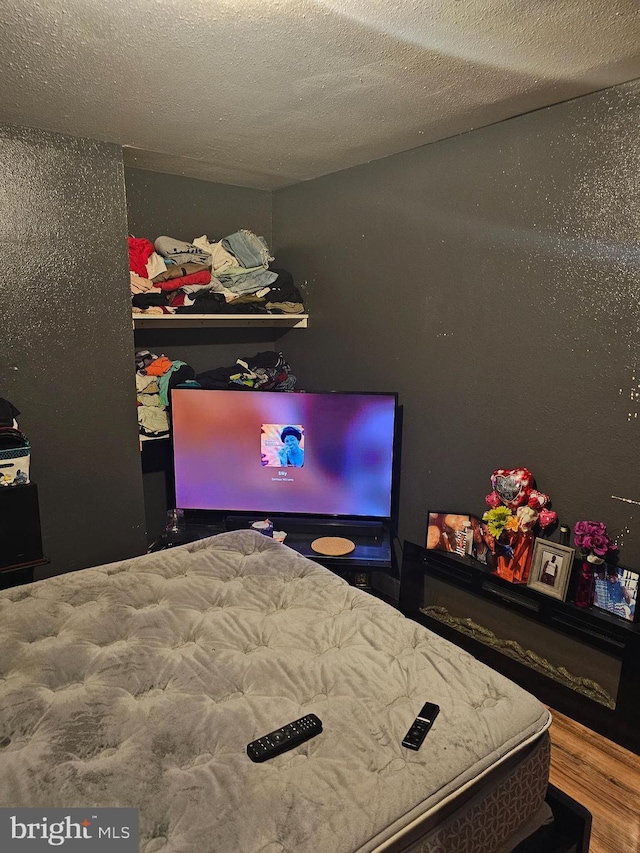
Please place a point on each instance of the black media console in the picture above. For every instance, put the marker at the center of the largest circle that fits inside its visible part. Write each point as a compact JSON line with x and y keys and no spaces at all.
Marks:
{"x":373,"y":551}
{"x":371,"y":538}
{"x":584,"y":663}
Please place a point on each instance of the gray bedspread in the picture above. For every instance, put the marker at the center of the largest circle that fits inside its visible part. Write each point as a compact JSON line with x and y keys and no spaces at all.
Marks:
{"x":140,"y":683}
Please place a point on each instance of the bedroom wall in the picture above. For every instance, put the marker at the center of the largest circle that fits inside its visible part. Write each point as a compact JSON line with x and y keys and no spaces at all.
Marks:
{"x":185,"y":208}
{"x":65,"y":347}
{"x":493,"y":280}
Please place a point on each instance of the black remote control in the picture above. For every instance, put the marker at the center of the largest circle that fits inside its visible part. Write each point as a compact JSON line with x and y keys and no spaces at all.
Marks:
{"x":285,"y":738}
{"x":420,"y":726}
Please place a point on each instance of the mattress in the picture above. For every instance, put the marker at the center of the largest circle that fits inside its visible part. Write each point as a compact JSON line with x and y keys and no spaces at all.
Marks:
{"x":140,"y":683}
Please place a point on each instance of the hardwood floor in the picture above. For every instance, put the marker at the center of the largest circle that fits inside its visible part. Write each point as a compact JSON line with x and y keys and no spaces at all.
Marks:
{"x":603,"y":777}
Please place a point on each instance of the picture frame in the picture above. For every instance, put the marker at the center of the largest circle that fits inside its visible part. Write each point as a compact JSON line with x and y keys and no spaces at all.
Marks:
{"x":551,"y":567}
{"x":458,"y":533}
{"x":616,"y":590}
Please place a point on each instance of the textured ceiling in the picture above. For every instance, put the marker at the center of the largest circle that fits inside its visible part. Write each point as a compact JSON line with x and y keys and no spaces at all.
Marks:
{"x":265,"y":93}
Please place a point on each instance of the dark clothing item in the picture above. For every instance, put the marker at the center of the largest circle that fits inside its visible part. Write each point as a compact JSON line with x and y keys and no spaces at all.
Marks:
{"x":214,"y":303}
{"x":283,"y":289}
{"x":182,"y":374}
{"x":204,"y":302}
{"x":220,"y":378}
{"x":265,"y":371}
{"x":8,"y":413}
{"x":267,"y":359}
{"x":146,"y":300}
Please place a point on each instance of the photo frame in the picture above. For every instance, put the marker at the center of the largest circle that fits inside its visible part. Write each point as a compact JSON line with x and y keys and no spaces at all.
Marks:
{"x":551,"y":566}
{"x":616,"y":590}
{"x":458,"y":533}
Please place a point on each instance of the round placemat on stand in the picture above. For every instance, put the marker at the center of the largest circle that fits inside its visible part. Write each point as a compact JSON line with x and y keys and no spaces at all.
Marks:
{"x":333,"y":546}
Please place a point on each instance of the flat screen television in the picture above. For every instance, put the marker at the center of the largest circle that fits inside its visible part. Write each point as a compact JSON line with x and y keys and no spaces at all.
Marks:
{"x":282,"y":453}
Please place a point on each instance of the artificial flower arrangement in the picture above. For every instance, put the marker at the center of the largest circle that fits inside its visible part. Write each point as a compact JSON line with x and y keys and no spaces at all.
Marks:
{"x":595,"y":547}
{"x":592,"y":541}
{"x":517,"y":511}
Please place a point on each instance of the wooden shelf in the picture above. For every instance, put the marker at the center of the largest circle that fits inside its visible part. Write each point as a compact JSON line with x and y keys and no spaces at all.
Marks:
{"x":191,"y":321}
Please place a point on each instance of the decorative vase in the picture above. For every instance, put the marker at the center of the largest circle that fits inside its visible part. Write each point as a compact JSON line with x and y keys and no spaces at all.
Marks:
{"x":586,"y":581}
{"x":514,"y":561}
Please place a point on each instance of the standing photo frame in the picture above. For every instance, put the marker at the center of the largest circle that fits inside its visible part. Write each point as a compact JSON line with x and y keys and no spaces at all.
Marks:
{"x":551,"y":566}
{"x":459,"y":533}
{"x":616,"y":590}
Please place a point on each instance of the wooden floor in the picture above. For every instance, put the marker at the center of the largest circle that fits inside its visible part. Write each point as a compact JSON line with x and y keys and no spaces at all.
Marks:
{"x":603,"y":777}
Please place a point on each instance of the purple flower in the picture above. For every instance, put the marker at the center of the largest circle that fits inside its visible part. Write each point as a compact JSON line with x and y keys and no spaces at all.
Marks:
{"x":592,"y":536}
{"x":590,"y":528}
{"x":600,"y":545}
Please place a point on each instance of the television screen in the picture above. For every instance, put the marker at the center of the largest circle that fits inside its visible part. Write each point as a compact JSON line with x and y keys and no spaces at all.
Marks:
{"x":278,"y":452}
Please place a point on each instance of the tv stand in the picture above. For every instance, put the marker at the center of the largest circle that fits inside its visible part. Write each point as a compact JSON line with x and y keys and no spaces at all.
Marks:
{"x":373,"y":551}
{"x":372,"y":539}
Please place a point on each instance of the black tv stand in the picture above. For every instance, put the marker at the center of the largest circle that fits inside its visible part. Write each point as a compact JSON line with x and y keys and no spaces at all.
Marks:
{"x":313,"y":526}
{"x":372,"y":539}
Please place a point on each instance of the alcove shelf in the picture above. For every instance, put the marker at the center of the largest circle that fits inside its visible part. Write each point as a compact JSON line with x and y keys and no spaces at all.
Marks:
{"x":191,"y":321}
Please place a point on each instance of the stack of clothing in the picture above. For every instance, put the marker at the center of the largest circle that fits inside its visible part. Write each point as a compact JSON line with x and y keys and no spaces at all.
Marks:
{"x":155,"y":376}
{"x":265,"y":371}
{"x":232,"y":276}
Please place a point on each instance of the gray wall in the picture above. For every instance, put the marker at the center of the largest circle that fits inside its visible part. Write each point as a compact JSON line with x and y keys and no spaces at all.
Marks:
{"x":66,"y":342}
{"x":186,"y":208}
{"x":493,"y":280}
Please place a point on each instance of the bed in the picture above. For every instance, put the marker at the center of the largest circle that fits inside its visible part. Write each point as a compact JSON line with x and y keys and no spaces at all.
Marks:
{"x":141,"y":682}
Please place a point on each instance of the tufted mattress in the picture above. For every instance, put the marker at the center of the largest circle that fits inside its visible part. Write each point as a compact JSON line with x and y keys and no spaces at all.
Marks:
{"x":140,"y":683}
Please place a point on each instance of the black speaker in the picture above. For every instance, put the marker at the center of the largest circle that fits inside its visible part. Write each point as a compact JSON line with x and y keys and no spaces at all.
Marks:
{"x":20,"y":537}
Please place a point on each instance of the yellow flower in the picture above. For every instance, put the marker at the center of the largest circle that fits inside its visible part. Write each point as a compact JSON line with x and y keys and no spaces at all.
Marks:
{"x":512,"y":523}
{"x":497,"y":519}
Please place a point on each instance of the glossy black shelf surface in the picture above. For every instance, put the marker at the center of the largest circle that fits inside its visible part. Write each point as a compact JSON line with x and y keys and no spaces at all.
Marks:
{"x":600,"y":633}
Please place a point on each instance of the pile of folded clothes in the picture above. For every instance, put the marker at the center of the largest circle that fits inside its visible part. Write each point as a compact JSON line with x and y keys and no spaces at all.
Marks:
{"x":156,"y":375}
{"x":232,"y":276}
